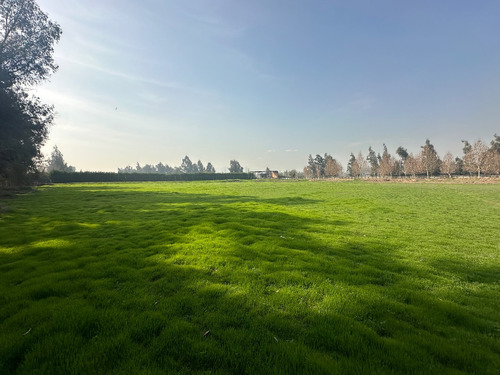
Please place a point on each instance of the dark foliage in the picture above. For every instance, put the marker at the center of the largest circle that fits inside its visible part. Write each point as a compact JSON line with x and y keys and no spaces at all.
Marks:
{"x":64,"y":177}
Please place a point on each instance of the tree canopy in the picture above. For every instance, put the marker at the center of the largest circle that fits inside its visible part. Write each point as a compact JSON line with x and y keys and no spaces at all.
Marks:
{"x":27,"y":39}
{"x":235,"y":167}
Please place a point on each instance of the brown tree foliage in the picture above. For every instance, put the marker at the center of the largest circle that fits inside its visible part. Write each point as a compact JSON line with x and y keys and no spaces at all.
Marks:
{"x":332,"y":167}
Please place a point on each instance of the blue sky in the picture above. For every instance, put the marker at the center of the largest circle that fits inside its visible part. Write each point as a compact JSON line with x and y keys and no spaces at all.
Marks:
{"x":269,"y":82}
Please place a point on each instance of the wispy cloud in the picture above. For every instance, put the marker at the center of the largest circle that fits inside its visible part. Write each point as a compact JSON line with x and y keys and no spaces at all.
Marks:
{"x":139,"y":79}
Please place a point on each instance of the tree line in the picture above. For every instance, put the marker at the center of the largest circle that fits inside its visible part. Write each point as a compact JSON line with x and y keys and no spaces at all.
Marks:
{"x":478,"y":159}
{"x":186,"y":167}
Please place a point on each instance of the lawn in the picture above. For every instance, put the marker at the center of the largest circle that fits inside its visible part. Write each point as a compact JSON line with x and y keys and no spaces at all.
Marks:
{"x":255,"y":277}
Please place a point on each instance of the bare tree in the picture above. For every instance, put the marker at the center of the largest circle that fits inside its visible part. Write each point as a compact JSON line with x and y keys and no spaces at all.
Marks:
{"x":413,"y":165}
{"x":360,"y":166}
{"x":448,"y":165}
{"x":492,"y":163}
{"x":332,"y":167}
{"x":387,"y":164}
{"x":476,"y":157}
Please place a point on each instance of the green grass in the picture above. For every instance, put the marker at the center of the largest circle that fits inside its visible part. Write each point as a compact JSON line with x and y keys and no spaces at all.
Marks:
{"x":286,"y":277}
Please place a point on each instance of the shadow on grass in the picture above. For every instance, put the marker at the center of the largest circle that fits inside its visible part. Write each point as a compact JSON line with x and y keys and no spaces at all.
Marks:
{"x":137,"y":281}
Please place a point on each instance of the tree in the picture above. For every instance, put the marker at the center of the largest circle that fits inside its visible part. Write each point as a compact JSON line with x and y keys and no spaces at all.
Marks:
{"x":56,"y":162}
{"x":160,"y":168}
{"x":148,"y":168}
{"x":319,"y":164}
{"x":493,"y":157}
{"x":460,"y":166}
{"x":412,"y":165}
{"x":27,"y":38}
{"x":235,"y":167}
{"x":362,"y":165}
{"x":186,"y":165}
{"x":388,"y":164}
{"x":23,"y":129}
{"x":495,"y":144}
{"x":476,"y":157}
{"x":332,"y":167}
{"x":372,"y":159}
{"x":310,"y":169}
{"x":448,"y":165}
{"x":350,"y":165}
{"x":492,"y":163}
{"x":201,"y":168}
{"x":210,"y":168}
{"x":429,"y":159}
{"x":401,"y":151}
{"x":403,"y":154}
{"x":357,"y":166}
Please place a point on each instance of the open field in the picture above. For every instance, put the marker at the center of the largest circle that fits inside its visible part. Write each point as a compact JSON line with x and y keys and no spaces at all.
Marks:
{"x":251,"y":277}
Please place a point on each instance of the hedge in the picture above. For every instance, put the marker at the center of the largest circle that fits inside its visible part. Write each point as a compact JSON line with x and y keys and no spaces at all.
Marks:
{"x":64,"y":177}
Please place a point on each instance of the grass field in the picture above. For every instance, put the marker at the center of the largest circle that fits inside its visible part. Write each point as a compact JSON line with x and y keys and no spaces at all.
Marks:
{"x":256,"y":277}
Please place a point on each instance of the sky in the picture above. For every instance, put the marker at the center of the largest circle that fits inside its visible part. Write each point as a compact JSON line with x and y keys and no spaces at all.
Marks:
{"x":268,"y":82}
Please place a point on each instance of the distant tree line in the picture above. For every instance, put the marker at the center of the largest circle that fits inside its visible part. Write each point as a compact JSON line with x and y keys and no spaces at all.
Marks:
{"x":186,"y":167}
{"x":478,"y":159}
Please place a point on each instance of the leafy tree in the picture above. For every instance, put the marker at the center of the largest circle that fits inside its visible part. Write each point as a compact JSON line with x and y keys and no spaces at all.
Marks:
{"x":429,"y":159}
{"x":24,"y":127}
{"x":148,"y":168}
{"x":495,"y":144}
{"x":56,"y":162}
{"x":310,"y":169}
{"x":210,"y":168}
{"x":319,"y":163}
{"x":373,"y":160}
{"x":448,"y":165}
{"x":235,"y":167}
{"x":160,"y":168}
{"x":350,"y":165}
{"x":460,"y":166}
{"x":402,"y":152}
{"x":27,"y":38}
{"x":127,"y":169}
{"x":201,"y":168}
{"x":467,"y":147}
{"x":187,"y":165}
